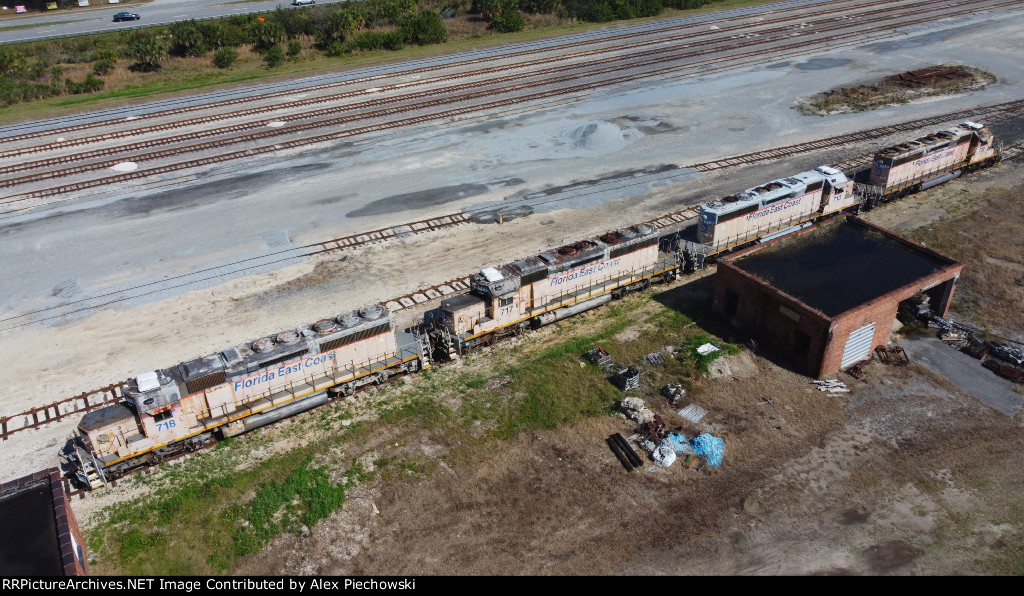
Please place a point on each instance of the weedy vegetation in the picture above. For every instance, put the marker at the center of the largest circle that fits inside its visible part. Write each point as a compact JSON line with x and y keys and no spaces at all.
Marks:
{"x":201,"y":514}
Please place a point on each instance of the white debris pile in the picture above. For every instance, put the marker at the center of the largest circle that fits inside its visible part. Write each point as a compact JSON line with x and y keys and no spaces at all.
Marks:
{"x":831,"y":386}
{"x":664,"y":456}
{"x":636,"y":409}
{"x":674,"y":392}
{"x":706,"y":349}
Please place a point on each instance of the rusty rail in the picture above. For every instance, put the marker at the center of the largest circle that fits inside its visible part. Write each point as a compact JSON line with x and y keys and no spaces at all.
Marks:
{"x":85,"y":402}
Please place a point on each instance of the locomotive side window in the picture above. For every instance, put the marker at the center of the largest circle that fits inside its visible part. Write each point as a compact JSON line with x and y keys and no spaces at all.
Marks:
{"x":161,"y":416}
{"x":505,"y":301}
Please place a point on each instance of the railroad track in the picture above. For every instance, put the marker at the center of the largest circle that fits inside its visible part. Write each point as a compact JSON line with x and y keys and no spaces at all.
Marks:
{"x":995,"y":112}
{"x":79,"y":404}
{"x":91,"y":400}
{"x":503,"y":70}
{"x":629,"y":37}
{"x":19,"y":202}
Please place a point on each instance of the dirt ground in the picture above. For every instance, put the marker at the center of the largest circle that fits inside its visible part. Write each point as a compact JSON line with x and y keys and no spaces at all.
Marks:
{"x":898,"y":89}
{"x":905,"y":475}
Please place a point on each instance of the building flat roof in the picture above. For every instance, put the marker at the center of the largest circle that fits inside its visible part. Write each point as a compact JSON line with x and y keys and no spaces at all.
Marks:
{"x":838,"y":266}
{"x":27,"y":522}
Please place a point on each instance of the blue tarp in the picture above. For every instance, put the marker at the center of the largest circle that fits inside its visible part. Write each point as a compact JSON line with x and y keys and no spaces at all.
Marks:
{"x":710,"y":447}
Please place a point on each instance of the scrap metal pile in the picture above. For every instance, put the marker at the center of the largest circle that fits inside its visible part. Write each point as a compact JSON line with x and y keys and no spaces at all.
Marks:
{"x":892,"y":355}
{"x":664,"y":446}
{"x":651,"y":435}
{"x":1005,"y":360}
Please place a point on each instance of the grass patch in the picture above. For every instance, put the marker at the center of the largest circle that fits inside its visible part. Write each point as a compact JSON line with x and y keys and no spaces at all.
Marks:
{"x":207,"y":511}
{"x":702,"y":361}
{"x":992,"y":282}
{"x":34,"y":25}
{"x":305,"y":497}
{"x":422,"y":411}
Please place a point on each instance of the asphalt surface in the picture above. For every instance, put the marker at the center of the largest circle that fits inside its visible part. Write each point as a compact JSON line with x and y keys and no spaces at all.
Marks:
{"x":98,"y":17}
{"x":967,"y":373}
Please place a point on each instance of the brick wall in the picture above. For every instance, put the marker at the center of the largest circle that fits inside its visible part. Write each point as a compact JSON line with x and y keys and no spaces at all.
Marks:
{"x":882,"y":311}
{"x":776,"y":320}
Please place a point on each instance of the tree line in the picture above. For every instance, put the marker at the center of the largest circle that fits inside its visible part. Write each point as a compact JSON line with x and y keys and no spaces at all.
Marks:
{"x":36,"y":70}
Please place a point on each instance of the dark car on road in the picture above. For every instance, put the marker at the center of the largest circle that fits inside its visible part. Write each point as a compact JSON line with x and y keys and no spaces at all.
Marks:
{"x":126,"y":16}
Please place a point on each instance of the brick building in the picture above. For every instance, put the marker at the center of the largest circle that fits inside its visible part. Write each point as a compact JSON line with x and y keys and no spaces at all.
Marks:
{"x":40,"y":535}
{"x":825,"y":297}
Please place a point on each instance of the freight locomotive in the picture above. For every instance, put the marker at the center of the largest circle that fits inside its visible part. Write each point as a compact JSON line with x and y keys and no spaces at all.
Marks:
{"x":777,"y":207}
{"x":782,"y":206}
{"x":928,"y":161}
{"x":551,"y":286}
{"x":177,"y":409}
{"x":183,"y":408}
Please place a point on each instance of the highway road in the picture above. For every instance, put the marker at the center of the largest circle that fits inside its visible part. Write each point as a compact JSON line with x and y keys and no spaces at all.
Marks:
{"x":98,"y":17}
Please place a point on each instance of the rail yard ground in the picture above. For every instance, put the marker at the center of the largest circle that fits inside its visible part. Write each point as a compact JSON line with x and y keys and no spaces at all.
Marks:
{"x":497,"y":464}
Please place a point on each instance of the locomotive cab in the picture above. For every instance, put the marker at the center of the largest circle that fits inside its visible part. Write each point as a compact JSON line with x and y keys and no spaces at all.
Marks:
{"x":157,"y":399}
{"x":492,"y":302}
{"x":982,"y":147}
{"x":706,"y":226}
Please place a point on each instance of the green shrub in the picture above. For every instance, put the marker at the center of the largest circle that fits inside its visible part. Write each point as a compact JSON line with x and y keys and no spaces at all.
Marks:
{"x":105,"y":54}
{"x":424,"y":28}
{"x":264,"y":35}
{"x":10,"y":60}
{"x":294,"y":47}
{"x":274,"y":56}
{"x":225,"y":57}
{"x":509,"y":21}
{"x":187,"y":39}
{"x":336,"y":48}
{"x":146,"y":50}
{"x":370,"y":40}
{"x":215,"y":35}
{"x":394,"y":40}
{"x":102,"y":67}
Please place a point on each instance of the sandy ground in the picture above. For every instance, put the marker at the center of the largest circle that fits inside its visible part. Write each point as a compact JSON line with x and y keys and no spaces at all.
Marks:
{"x":907,"y":475}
